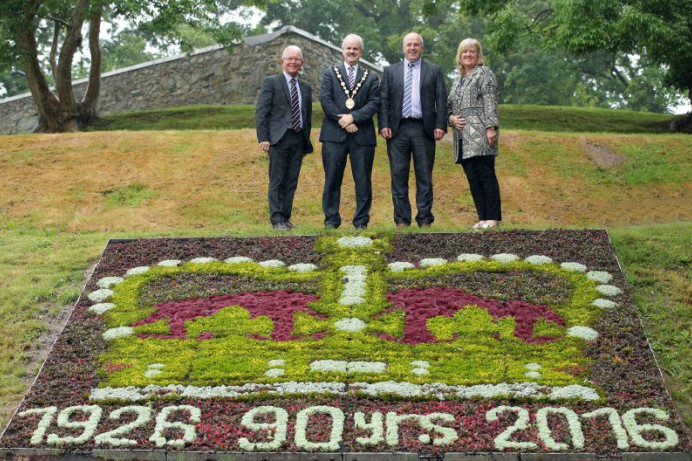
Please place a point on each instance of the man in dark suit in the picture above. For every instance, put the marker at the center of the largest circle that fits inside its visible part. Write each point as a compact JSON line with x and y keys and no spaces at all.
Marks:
{"x":412,"y":117}
{"x":350,"y":97}
{"x":283,"y":120}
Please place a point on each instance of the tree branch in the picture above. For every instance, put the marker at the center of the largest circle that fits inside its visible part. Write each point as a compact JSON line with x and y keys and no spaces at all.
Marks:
{"x":619,"y":76}
{"x":58,"y":20}
{"x":54,"y":50}
{"x":539,"y":18}
{"x":73,"y":38}
{"x":367,"y":13}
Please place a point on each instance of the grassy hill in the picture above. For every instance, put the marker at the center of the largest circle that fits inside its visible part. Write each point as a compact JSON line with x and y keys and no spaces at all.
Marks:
{"x":514,"y":117}
{"x":63,"y":196}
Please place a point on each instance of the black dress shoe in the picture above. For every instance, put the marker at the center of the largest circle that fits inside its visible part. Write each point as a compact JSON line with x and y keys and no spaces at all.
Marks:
{"x":361,"y":227}
{"x":424,"y":224}
{"x":289,"y":224}
{"x":402,"y":225}
{"x":330,"y":226}
{"x":282,"y":226}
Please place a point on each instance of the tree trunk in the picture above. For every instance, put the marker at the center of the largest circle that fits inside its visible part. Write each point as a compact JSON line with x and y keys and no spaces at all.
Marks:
{"x":69,"y":112}
{"x":87,"y":109}
{"x":59,"y":111}
{"x":46,"y":102}
{"x":683,"y":124}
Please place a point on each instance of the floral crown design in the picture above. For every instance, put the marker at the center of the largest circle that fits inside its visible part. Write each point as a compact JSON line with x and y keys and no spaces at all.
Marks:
{"x":339,"y":329}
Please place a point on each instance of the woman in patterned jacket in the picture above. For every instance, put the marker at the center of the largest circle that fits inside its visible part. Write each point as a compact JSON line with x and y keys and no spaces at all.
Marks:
{"x":472,"y":108}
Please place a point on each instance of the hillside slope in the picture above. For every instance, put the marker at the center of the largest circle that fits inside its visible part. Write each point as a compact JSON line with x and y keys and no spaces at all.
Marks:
{"x":512,"y":116}
{"x":149,"y":181}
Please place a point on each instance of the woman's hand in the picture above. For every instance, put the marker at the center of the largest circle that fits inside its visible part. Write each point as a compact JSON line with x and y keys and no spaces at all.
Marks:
{"x":457,"y":121}
{"x":491,"y":133}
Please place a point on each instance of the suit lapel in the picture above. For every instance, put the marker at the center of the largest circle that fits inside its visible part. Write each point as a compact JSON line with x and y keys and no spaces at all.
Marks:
{"x":284,"y":86}
{"x":423,"y":70}
{"x":359,"y":74}
{"x":400,"y":78}
{"x":303,"y":104}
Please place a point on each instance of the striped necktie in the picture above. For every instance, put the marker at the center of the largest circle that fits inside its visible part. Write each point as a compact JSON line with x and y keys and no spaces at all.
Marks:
{"x":295,"y":106}
{"x":351,"y":77}
{"x":407,"y":110}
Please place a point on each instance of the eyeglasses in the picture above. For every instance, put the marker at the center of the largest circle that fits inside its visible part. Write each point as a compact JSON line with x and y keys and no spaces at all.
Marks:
{"x":292,"y":59}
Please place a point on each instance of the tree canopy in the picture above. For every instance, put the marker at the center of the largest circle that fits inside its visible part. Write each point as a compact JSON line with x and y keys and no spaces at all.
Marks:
{"x":530,"y":68}
{"x":658,"y":30}
{"x":35,"y":31}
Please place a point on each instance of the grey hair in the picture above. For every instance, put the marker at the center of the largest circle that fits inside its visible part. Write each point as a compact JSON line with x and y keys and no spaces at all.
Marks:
{"x":416,"y":33}
{"x":289,"y":48}
{"x":352,"y":37}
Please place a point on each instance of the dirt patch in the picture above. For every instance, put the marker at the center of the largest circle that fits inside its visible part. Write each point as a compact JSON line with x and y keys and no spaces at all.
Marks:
{"x":510,"y":140}
{"x":602,"y":155}
{"x":42,"y":346}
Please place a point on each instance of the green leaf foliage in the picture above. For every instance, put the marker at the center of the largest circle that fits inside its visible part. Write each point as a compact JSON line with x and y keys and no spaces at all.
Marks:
{"x":660,"y":30}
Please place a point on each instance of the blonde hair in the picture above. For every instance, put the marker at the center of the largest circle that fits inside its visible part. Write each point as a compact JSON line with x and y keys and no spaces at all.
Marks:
{"x":465,"y":45}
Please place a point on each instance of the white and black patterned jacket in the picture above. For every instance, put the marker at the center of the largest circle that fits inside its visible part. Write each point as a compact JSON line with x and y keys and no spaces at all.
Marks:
{"x":475,"y":98}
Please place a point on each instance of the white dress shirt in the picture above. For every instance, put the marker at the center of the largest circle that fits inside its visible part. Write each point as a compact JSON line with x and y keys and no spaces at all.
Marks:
{"x":416,"y":109}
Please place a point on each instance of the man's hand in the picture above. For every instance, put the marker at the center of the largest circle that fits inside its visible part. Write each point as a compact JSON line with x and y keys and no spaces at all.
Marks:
{"x":264,"y":145}
{"x":351,"y":128}
{"x":439,"y":134}
{"x":386,"y":133}
{"x":345,"y":120}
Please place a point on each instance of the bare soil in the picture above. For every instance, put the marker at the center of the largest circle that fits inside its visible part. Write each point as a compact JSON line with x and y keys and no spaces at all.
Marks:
{"x":601,"y":155}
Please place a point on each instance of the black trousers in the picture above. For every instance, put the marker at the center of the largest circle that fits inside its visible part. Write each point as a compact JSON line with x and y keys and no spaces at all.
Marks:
{"x":411,"y":141}
{"x":480,"y":173}
{"x":334,"y":156}
{"x":285,"y":160}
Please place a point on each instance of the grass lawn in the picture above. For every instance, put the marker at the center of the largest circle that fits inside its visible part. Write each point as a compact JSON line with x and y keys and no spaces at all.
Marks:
{"x":514,"y":117}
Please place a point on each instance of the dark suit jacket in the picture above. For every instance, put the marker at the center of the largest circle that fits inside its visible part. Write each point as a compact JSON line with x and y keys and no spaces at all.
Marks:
{"x":433,"y":97}
{"x":333,"y":100}
{"x":273,"y":113}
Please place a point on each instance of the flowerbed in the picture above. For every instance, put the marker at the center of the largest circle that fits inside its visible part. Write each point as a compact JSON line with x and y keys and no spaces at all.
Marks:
{"x":510,"y":341}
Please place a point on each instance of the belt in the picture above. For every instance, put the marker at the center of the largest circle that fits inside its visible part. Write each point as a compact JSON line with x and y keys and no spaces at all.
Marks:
{"x":411,"y":119}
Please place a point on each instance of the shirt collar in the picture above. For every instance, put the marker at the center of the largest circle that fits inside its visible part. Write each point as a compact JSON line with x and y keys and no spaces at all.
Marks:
{"x":289,"y":78}
{"x":355,"y":68}
{"x":415,"y":64}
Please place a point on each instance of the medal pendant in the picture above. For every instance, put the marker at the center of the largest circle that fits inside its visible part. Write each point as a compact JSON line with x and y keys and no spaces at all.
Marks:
{"x":350,"y":103}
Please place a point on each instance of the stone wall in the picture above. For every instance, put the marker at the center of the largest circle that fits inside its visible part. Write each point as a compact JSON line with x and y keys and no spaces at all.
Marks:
{"x":212,"y":75}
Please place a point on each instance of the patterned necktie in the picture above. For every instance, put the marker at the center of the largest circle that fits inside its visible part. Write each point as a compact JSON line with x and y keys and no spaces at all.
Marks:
{"x":295,"y":107}
{"x":408,"y":88}
{"x":351,"y":77}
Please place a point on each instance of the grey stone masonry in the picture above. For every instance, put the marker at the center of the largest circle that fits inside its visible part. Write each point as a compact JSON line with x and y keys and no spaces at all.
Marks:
{"x":214,"y":75}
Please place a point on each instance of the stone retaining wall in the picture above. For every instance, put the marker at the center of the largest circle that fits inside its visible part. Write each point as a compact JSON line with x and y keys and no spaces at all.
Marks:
{"x":213,"y":75}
